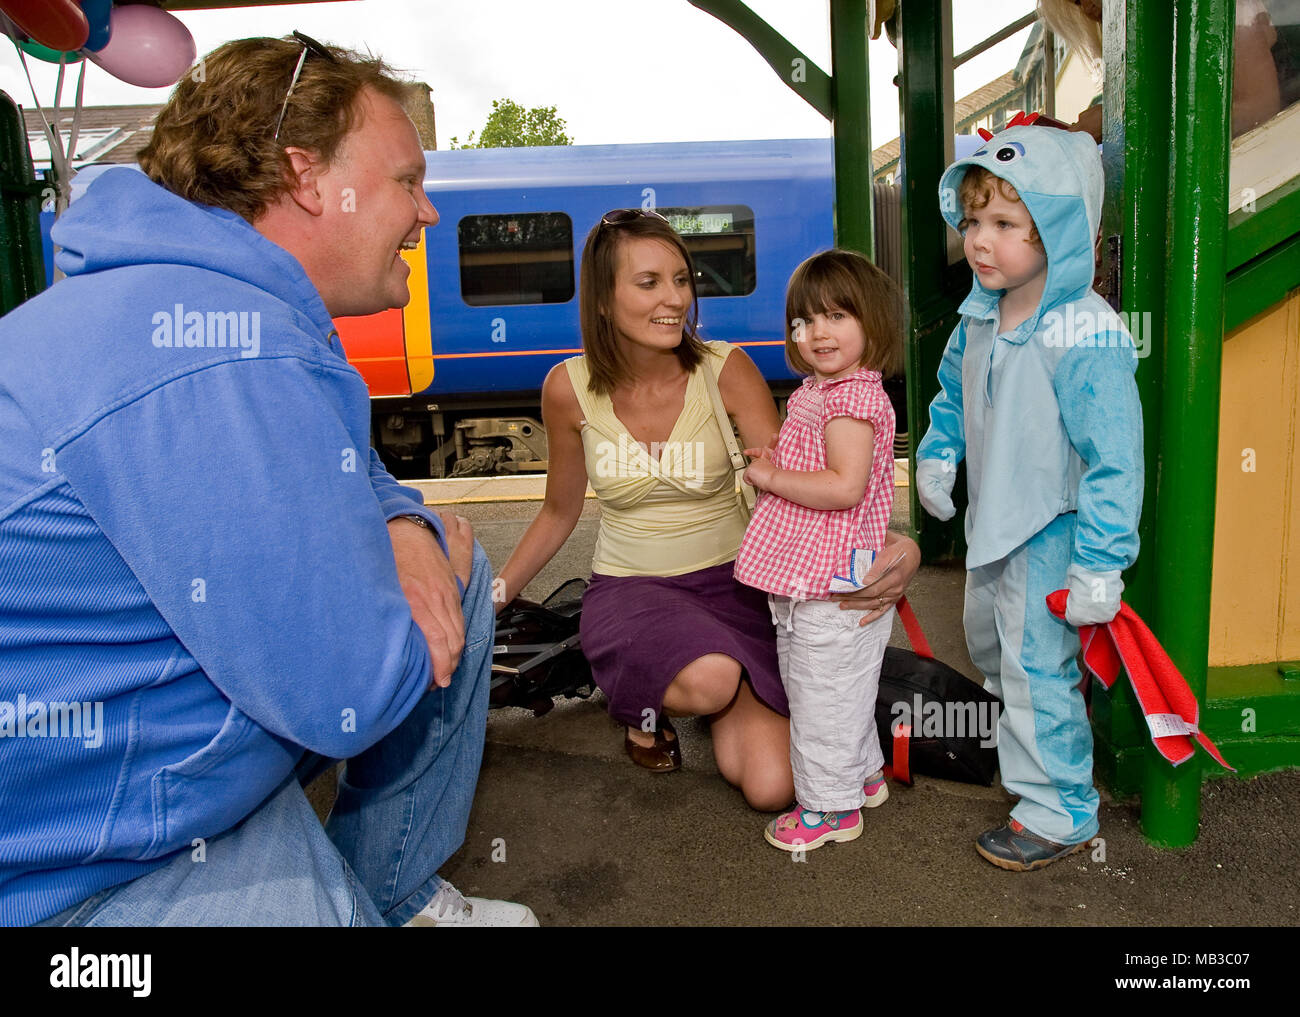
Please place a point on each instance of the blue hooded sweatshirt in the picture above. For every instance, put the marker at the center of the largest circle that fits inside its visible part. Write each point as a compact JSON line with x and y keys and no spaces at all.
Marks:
{"x":196,"y":579}
{"x":1046,"y":415}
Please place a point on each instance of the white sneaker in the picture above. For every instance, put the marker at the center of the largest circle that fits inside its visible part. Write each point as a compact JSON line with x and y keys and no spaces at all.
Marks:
{"x":450,"y":909}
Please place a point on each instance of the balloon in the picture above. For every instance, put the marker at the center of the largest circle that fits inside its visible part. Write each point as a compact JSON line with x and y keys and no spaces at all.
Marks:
{"x":58,"y":24}
{"x":147,"y":47}
{"x":8,"y":28}
{"x":51,"y":56}
{"x":97,"y":13}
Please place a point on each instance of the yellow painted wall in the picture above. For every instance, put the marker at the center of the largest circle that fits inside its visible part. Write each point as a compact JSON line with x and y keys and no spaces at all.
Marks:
{"x":1075,"y":88}
{"x":1255,"y":593}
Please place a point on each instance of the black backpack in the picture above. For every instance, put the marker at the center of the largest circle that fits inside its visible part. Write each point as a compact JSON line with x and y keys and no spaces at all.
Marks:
{"x":932,"y":719}
{"x":537,"y":653}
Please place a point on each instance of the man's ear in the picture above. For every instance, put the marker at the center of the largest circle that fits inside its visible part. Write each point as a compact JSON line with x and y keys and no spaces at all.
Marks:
{"x":305,"y":184}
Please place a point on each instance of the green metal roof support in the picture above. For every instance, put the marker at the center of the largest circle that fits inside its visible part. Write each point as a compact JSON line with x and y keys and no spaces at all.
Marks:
{"x":933,"y":287}
{"x":852,"y":121}
{"x":1187,"y":451}
{"x":805,"y":78}
{"x":845,"y":100}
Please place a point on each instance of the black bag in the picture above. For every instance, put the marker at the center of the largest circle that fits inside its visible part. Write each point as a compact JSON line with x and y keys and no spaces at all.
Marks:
{"x":537,"y":653}
{"x":932,"y":719}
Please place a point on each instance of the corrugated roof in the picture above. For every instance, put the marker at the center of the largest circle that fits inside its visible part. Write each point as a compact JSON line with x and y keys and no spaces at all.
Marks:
{"x":107,"y":134}
{"x":970,"y":107}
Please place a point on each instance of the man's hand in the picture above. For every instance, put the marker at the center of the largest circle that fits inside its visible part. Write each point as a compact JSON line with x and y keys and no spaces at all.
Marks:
{"x":460,"y":543}
{"x":428,"y":579}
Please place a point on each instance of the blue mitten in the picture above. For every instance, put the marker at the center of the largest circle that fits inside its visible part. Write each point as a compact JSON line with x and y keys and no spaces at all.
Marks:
{"x":934,"y":481}
{"x":1094,"y":596}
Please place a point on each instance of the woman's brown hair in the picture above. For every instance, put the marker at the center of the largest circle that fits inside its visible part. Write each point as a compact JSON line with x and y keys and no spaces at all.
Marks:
{"x":214,"y":142}
{"x":847,"y":281}
{"x":606,"y":365}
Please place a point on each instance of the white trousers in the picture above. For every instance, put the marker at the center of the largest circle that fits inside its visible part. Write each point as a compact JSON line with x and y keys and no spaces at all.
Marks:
{"x":830,"y":667}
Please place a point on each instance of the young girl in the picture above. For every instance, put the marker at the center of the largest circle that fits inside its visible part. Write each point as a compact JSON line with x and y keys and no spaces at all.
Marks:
{"x":828,"y":490}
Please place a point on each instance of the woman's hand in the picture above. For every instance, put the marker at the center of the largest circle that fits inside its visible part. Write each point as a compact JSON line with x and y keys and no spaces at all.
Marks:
{"x":759,"y":473}
{"x":887,"y":581}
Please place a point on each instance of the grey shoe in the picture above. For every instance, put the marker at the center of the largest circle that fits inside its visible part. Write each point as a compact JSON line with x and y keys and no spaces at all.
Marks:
{"x":1016,"y":848}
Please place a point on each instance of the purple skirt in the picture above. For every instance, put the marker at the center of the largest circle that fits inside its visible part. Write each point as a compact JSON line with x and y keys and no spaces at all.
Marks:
{"x":638,"y":632}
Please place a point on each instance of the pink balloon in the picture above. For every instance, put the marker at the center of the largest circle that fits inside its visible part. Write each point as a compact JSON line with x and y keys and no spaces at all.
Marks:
{"x":147,"y":47}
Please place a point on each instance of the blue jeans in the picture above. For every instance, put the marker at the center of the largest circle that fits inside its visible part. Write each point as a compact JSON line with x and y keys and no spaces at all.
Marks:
{"x":402,"y":809}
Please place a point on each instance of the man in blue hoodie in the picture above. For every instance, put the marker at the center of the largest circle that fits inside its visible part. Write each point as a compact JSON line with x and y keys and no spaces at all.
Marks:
{"x":202,"y":562}
{"x":1037,"y":395}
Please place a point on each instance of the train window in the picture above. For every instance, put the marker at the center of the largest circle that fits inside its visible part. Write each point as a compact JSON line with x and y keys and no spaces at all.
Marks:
{"x":520,"y":258}
{"x":721,"y":241}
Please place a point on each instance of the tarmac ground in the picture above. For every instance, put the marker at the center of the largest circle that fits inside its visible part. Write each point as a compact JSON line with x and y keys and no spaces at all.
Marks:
{"x":565,"y":822}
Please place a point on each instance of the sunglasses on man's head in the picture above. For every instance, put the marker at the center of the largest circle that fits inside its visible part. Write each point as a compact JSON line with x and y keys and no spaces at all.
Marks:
{"x":309,"y":46}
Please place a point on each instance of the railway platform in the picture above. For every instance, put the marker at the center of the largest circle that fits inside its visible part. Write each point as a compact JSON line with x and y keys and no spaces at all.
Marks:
{"x":566,"y":823}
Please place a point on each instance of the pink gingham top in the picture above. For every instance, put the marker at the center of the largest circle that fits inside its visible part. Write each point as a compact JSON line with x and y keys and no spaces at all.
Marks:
{"x":793,"y":550}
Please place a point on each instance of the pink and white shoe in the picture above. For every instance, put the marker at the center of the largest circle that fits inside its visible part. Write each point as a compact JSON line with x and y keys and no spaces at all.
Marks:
{"x":876,"y":790}
{"x":802,"y":829}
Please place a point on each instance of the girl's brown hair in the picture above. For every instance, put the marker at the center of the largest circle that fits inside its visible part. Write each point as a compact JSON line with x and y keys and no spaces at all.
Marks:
{"x":847,"y":281}
{"x":606,"y":365}
{"x":214,"y":142}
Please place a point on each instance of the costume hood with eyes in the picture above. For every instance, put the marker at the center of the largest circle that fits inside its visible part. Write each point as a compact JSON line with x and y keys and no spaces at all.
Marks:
{"x":1058,"y":176}
{"x":1046,"y":414}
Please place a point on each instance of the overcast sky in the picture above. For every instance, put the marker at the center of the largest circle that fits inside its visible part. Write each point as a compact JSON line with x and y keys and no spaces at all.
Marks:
{"x":617,"y":70}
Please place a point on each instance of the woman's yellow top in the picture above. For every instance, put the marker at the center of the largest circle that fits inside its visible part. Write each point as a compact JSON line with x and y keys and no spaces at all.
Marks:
{"x":669,"y":510}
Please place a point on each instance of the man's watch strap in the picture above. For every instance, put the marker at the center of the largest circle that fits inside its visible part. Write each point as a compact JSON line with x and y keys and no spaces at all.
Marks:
{"x":419,"y":521}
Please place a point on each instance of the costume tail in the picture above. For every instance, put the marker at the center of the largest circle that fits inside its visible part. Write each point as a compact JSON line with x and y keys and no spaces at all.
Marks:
{"x":1171,"y":710}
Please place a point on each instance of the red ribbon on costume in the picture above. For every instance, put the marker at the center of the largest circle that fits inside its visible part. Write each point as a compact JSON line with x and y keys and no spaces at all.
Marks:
{"x":1171,"y":710}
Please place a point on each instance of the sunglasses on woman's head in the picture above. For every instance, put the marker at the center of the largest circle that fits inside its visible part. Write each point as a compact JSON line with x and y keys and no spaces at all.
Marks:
{"x":624,"y":215}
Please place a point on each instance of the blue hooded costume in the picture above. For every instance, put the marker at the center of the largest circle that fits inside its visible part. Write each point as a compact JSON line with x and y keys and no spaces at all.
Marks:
{"x":1048,"y":419}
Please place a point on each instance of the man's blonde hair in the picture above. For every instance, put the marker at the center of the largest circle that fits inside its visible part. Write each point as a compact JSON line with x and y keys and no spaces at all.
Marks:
{"x":214,"y":142}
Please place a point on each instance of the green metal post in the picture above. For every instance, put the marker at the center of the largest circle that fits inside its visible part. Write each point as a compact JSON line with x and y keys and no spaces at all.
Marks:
{"x":22,"y":267}
{"x":1136,"y":158}
{"x":1189,"y":416}
{"x":933,"y":288}
{"x":851,"y":86}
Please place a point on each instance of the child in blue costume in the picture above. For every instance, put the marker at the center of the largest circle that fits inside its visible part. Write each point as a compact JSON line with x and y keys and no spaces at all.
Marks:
{"x":1038,"y":396}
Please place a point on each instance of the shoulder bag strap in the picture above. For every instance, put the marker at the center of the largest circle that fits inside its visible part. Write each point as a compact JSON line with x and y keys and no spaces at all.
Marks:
{"x":745,"y":494}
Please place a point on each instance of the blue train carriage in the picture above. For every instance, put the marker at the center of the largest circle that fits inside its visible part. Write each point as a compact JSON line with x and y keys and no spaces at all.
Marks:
{"x":456,"y":376}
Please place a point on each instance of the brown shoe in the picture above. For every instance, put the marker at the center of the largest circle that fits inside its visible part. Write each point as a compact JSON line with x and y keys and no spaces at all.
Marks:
{"x":664,"y":756}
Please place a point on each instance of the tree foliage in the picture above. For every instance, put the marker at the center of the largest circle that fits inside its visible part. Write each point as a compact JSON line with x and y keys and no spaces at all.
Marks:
{"x":509,"y":125}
